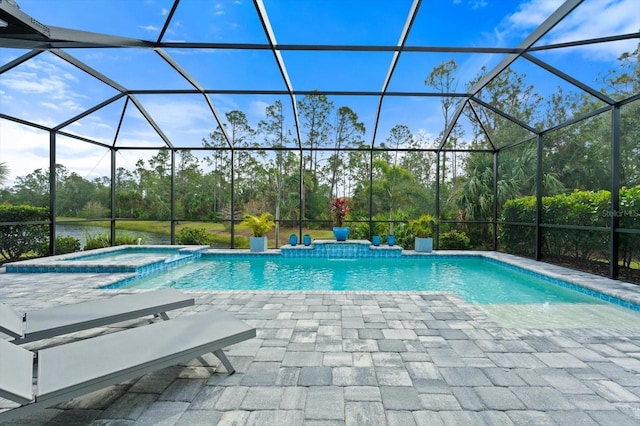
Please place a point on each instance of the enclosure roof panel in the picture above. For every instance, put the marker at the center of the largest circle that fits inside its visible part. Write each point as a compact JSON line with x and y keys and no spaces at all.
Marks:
{"x":393,"y":63}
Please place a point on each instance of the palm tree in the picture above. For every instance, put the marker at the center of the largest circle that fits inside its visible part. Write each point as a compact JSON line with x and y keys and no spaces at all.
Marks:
{"x":4,"y":173}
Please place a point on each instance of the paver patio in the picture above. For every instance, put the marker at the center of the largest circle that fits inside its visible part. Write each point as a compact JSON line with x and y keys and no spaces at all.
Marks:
{"x":361,"y":359}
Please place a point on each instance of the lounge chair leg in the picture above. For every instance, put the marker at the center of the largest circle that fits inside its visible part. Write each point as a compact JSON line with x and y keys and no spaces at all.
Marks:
{"x":222,"y":357}
{"x":162,"y":315}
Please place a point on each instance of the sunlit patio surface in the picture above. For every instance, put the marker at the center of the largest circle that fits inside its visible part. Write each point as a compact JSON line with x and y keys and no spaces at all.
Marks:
{"x":362,"y":358}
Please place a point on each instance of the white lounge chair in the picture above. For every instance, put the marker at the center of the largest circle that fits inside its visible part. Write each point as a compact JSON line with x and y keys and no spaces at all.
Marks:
{"x":58,"y":320}
{"x":73,"y":369}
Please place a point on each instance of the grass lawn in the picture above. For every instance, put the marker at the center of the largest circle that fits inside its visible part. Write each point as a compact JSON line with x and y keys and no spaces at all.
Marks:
{"x":220,"y":232}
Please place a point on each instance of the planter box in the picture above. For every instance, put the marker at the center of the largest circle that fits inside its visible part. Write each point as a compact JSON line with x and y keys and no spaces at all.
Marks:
{"x":424,"y":245}
{"x":258,"y":244}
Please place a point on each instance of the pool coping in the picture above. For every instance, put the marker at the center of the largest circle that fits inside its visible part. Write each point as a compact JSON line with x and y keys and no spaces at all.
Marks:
{"x":64,"y":263}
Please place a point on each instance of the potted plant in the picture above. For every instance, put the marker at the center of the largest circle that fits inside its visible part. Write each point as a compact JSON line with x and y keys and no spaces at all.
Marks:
{"x":259,"y":226}
{"x":339,"y":210}
{"x":422,"y":229}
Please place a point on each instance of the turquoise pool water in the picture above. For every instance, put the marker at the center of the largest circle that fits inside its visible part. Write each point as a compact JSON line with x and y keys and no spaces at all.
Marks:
{"x":129,"y":254}
{"x":475,"y":279}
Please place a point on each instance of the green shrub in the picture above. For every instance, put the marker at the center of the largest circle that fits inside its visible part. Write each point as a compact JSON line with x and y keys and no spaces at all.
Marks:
{"x":454,"y":240}
{"x":579,"y":208}
{"x":104,"y":240}
{"x":126,"y":239}
{"x":360,"y":230}
{"x":423,"y":227}
{"x":404,"y":237}
{"x":189,"y":235}
{"x":630,"y":219}
{"x":517,"y":239}
{"x":19,"y":239}
{"x":97,"y":241}
{"x":64,"y":244}
{"x":259,"y":225}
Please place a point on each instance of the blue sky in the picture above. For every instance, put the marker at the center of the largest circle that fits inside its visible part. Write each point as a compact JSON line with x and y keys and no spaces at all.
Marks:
{"x":49,"y":91}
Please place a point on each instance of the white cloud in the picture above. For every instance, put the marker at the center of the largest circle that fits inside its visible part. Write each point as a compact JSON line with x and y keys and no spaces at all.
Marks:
{"x":41,"y":91}
{"x":532,"y":13}
{"x":257,"y":109}
{"x":592,"y":19}
{"x":150,"y":28}
{"x":23,"y":149}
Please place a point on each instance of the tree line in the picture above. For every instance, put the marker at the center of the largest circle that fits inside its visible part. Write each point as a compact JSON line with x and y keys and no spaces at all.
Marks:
{"x":395,"y":182}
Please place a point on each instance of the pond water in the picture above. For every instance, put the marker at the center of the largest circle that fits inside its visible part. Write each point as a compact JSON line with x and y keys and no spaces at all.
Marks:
{"x":81,"y":232}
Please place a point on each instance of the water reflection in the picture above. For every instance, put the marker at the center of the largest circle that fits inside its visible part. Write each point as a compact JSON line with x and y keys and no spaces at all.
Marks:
{"x":81,"y":233}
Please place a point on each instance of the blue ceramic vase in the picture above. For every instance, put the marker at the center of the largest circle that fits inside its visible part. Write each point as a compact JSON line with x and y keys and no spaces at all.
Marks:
{"x":341,"y":233}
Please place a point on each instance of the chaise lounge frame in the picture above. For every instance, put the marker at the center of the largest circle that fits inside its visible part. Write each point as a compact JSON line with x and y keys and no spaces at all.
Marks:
{"x":73,"y":369}
{"x":51,"y":322}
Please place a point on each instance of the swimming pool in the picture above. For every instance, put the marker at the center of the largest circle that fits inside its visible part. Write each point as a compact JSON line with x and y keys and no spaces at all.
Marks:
{"x":477,"y":280}
{"x":511,"y":291}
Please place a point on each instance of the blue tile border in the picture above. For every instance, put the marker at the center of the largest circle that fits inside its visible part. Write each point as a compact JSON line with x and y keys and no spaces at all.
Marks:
{"x":352,"y":249}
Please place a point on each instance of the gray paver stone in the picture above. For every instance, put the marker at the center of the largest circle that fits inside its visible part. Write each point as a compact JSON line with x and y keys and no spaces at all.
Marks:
{"x":560,"y":360}
{"x":400,"y":418}
{"x":364,"y":413}
{"x":262,"y":398}
{"x":542,"y":398}
{"x":315,"y":376}
{"x":612,"y":391}
{"x":392,"y":346}
{"x":293,"y":398}
{"x":162,"y":413}
{"x":354,"y":376}
{"x":391,"y":376}
{"x":278,"y":417}
{"x":565,"y":382}
{"x":464,"y":377}
{"x":325,"y":402}
{"x":516,"y":360}
{"x":496,"y":418}
{"x":73,"y":417}
{"x":400,"y":398}
{"x":206,"y":398}
{"x":591,"y":402}
{"x":288,"y":376}
{"x":531,"y":418}
{"x":199,"y":418}
{"x":455,"y":418}
{"x":234,"y":418}
{"x":231,"y":398}
{"x":496,"y":398}
{"x":184,"y":390}
{"x":439,"y":402}
{"x":130,"y":406}
{"x":302,"y":359}
{"x":362,"y":393}
{"x":468,"y":399}
{"x":574,"y":418}
{"x":431,"y":418}
{"x":98,"y":400}
{"x":261,"y":374}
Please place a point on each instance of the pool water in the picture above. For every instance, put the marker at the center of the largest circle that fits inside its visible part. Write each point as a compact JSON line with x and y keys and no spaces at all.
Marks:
{"x":475,"y":279}
{"x":129,"y":254}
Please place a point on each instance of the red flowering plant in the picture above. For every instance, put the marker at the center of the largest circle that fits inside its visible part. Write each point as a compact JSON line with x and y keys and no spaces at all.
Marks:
{"x":339,"y":210}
